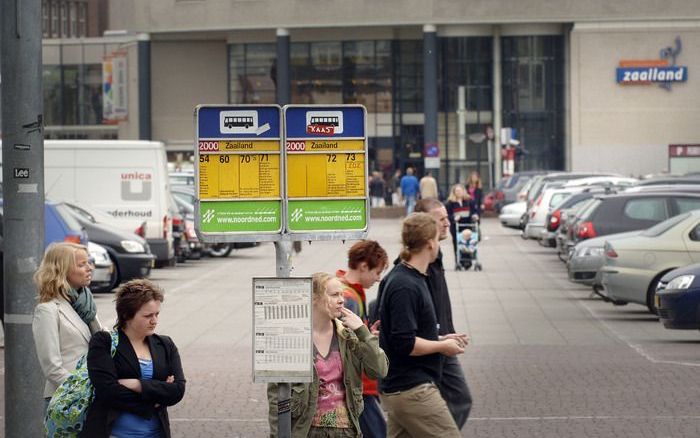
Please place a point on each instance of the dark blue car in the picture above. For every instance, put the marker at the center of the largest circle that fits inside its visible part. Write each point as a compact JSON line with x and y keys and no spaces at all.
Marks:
{"x":60,"y":225}
{"x":678,"y":298}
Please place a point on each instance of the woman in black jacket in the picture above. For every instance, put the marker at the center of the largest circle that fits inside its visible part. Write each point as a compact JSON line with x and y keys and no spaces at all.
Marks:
{"x":458,"y":208}
{"x":134,"y":388}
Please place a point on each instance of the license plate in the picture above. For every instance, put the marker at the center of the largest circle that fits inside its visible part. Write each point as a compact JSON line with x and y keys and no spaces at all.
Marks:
{"x":657,"y":301}
{"x":101,"y":275}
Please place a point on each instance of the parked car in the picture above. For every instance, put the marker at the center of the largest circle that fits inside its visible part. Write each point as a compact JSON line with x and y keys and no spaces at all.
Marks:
{"x":103,"y":272}
{"x":131,"y":253}
{"x":664,"y":187}
{"x":515,"y":183}
{"x":678,"y":298}
{"x":669,"y":180}
{"x":559,"y":217}
{"x":181,"y":179}
{"x":588,"y":258}
{"x":185,"y":199}
{"x":511,"y":213}
{"x":632,"y":211}
{"x":59,"y":224}
{"x":127,"y":179}
{"x":634,"y":265}
{"x":548,"y":200}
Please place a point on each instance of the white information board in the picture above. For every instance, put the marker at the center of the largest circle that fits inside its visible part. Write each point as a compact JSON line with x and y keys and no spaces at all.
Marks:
{"x":282,"y":339}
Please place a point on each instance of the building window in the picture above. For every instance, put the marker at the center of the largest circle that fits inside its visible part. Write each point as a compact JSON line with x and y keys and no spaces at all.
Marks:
{"x":82,"y":20}
{"x":64,"y":20}
{"x":467,"y":62}
{"x":73,"y":18}
{"x":408,"y":70}
{"x":54,"y":20}
{"x":533,"y":98}
{"x":73,"y":94}
{"x":252,"y":69}
{"x":326,"y":73}
{"x":367,"y":74}
{"x":45,"y":19}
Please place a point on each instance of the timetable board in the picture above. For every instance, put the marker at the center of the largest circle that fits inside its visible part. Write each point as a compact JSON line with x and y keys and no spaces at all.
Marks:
{"x":326,"y":170}
{"x":239,"y":172}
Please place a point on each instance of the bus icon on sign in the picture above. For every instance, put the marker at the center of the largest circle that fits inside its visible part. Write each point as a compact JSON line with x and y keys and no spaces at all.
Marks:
{"x":241,"y":122}
{"x":324,"y":122}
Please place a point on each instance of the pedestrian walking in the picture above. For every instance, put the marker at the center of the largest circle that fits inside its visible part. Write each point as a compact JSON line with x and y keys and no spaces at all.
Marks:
{"x":366,"y":262}
{"x":66,"y":316}
{"x":428,"y":186}
{"x":475,"y":190}
{"x":394,"y":187}
{"x":330,"y":405}
{"x":409,"y":190}
{"x":409,"y":335}
{"x":376,"y":190}
{"x":453,"y":384}
{"x":134,"y":388}
{"x":459,"y":210}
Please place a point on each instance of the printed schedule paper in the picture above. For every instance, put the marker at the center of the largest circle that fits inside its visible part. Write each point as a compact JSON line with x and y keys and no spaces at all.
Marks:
{"x":282,"y":340}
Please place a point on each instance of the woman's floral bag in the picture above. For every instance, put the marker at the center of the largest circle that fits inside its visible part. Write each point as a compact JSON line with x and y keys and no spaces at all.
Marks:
{"x":68,"y":407}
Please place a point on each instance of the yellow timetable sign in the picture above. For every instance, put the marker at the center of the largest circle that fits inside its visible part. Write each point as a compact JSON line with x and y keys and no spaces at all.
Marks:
{"x":239,"y":176}
{"x":326,"y":175}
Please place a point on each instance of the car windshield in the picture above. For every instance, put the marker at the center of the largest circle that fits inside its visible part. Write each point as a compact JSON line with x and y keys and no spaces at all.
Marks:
{"x":664,"y":226}
{"x":67,"y":215}
{"x":558,"y":198}
{"x":585,"y":210}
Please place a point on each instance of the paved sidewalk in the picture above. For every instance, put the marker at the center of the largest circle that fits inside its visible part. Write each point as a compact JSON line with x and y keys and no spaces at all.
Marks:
{"x":545,"y":359}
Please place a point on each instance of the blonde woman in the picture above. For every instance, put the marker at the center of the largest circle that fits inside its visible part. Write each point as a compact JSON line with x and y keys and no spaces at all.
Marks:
{"x":458,"y":212}
{"x":65,"y":317}
{"x":331,"y":405}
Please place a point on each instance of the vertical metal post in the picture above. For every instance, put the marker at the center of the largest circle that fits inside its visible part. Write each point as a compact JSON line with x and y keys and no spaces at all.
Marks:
{"x":430,"y":84}
{"x":23,"y":198}
{"x":497,"y":103}
{"x":283,"y":72}
{"x":462,"y":122}
{"x":283,"y":254}
{"x":144,"y":69}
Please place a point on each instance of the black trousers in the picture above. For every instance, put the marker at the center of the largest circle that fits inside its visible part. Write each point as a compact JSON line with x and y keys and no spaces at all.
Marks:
{"x":453,"y":388}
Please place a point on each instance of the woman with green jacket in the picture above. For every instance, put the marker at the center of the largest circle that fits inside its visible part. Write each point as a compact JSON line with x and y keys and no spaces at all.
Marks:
{"x":330,"y":406}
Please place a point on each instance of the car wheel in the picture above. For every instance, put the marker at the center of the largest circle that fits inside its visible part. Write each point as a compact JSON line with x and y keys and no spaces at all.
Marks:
{"x":114,"y":279}
{"x":651,"y":293}
{"x":220,"y":249}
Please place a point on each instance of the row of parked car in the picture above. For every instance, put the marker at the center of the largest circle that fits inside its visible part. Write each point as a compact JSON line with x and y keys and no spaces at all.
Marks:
{"x":631,"y":241}
{"x":120,"y":255}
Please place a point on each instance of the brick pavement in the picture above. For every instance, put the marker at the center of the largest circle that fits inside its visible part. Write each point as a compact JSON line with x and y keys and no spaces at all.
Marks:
{"x":545,"y":359}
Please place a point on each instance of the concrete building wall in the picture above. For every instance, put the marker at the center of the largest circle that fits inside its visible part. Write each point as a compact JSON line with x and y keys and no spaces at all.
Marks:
{"x":178,"y":16}
{"x":627,"y":128}
{"x":184,"y":75}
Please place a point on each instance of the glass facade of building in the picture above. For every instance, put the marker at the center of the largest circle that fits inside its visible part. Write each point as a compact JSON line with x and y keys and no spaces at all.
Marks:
{"x":387,"y":77}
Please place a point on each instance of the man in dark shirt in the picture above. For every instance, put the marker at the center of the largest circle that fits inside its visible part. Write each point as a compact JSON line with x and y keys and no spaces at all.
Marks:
{"x":410,"y":339}
{"x":452,"y":384}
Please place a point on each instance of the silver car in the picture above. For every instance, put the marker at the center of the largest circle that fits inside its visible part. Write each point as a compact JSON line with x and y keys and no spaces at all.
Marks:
{"x":511,"y":213}
{"x":588,"y":257}
{"x":635,"y":264}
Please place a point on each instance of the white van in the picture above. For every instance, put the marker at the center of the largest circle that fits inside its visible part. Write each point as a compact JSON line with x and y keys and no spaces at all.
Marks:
{"x":126,"y":179}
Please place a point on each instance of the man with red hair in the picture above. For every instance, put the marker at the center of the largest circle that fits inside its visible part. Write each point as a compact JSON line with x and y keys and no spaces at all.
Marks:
{"x":366,"y":262}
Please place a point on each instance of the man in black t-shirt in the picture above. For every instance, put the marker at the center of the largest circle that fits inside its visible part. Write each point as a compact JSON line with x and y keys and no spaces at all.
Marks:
{"x":452,"y":384}
{"x":409,"y":336}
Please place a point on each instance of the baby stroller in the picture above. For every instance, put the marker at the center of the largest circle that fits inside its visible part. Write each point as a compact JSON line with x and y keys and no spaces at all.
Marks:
{"x":468,"y":246}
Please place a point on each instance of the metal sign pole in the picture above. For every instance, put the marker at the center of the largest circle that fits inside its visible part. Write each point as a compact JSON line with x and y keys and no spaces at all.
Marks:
{"x":283,"y":254}
{"x":23,"y":195}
